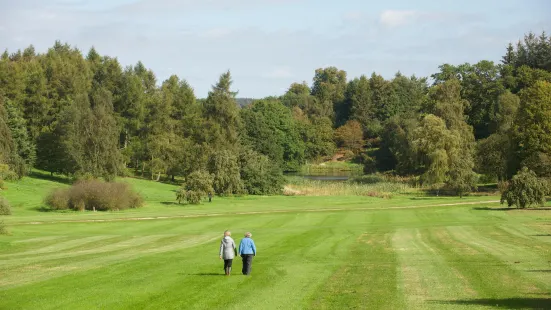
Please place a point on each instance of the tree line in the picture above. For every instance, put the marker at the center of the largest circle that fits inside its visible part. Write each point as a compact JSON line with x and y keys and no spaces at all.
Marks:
{"x":87,"y":116}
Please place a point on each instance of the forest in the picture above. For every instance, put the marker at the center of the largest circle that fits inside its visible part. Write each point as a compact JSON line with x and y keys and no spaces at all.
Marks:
{"x":88,"y":116}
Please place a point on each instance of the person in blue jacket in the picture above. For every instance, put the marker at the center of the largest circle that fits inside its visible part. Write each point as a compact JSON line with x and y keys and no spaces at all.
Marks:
{"x":247,"y":250}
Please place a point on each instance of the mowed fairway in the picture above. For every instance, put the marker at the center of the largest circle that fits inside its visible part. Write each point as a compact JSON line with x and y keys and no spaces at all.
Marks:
{"x":359,"y":253}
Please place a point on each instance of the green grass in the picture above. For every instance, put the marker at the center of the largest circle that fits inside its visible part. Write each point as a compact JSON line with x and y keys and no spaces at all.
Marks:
{"x":349,"y":252}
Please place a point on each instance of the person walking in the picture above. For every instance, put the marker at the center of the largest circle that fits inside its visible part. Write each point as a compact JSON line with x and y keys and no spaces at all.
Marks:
{"x":247,"y":250}
{"x":228,"y":251}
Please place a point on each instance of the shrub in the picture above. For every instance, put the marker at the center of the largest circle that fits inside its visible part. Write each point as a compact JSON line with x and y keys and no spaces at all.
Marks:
{"x":6,"y":173}
{"x":5,"y":208}
{"x":95,"y":195}
{"x":58,"y":199}
{"x":2,"y":185}
{"x":198,"y":184}
{"x":525,"y":189}
{"x":3,"y":229}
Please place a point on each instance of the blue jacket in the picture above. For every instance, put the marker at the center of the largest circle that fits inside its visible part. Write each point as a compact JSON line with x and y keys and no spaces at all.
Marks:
{"x":246,"y":246}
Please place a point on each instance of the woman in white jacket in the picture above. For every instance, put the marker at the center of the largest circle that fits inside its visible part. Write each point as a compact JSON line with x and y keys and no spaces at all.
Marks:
{"x":228,"y":250}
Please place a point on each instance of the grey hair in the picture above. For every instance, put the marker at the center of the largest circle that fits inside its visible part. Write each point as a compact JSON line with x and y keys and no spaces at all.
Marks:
{"x":248,"y":234}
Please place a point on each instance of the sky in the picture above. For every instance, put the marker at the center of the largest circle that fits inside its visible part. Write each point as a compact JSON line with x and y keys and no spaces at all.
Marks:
{"x":269,"y":44}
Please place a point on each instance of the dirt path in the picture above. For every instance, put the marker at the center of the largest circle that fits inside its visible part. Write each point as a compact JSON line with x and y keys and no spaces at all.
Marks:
{"x":252,"y":213}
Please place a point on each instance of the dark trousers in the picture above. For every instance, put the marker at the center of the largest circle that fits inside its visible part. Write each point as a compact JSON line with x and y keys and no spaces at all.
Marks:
{"x":247,"y":263}
{"x":227,"y":263}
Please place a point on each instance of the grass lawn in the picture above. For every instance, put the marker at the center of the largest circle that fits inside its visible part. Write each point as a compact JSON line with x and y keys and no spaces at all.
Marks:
{"x":329,"y":252}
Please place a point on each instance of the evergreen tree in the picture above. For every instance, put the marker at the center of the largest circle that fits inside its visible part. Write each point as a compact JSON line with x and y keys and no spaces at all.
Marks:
{"x":222,"y":114}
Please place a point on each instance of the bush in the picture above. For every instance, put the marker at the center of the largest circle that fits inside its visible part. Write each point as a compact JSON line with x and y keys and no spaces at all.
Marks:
{"x":525,"y":189}
{"x":2,"y":185}
{"x":5,"y":208}
{"x":94,"y":195}
{"x":6,"y":173}
{"x":58,"y":199}
{"x":3,"y":229}
{"x":197,"y":185}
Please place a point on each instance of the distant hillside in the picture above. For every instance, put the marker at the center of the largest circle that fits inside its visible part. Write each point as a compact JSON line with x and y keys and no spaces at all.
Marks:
{"x":244,"y":101}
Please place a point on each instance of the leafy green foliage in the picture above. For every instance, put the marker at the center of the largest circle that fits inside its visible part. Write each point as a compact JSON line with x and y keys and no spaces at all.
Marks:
{"x":222,"y":114}
{"x":5,"y":207}
{"x":524,"y":190}
{"x":533,"y":51}
{"x":350,"y":136}
{"x":224,"y":165}
{"x":23,"y":145}
{"x":198,"y":185}
{"x":259,"y":174}
{"x":89,"y":116}
{"x":329,"y":87}
{"x":271,"y":130}
{"x":88,"y":134}
{"x":481,"y":87}
{"x":533,"y":124}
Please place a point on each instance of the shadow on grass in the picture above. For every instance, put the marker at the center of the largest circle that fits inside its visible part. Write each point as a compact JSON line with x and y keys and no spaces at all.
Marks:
{"x":171,"y":203}
{"x":549,"y":270}
{"x":505,"y":303}
{"x":493,"y":209}
{"x":510,"y":209}
{"x":204,"y":274}
{"x":542,"y":235}
{"x":425,"y":198}
{"x":48,"y":177}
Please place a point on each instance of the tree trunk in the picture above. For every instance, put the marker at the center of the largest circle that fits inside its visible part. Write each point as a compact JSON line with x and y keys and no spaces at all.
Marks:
{"x":158,"y":176}
{"x":172,"y":178}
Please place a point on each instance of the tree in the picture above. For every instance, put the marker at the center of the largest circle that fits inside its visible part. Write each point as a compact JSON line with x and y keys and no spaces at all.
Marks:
{"x":396,"y":151}
{"x":317,"y":135}
{"x":350,"y":136}
{"x":524,"y":190}
{"x":23,"y":145}
{"x":198,"y":185}
{"x":260,"y":176}
{"x":533,"y":51}
{"x":450,"y":107}
{"x":329,"y":86}
{"x":533,"y":122}
{"x":87,"y":132}
{"x":8,"y":153}
{"x":362,"y":109}
{"x":299,"y":97}
{"x":222,"y":114}
{"x":481,"y":86}
{"x":434,"y":142}
{"x":270,"y":129}
{"x":224,"y":165}
{"x":495,"y":154}
{"x":410,"y":93}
